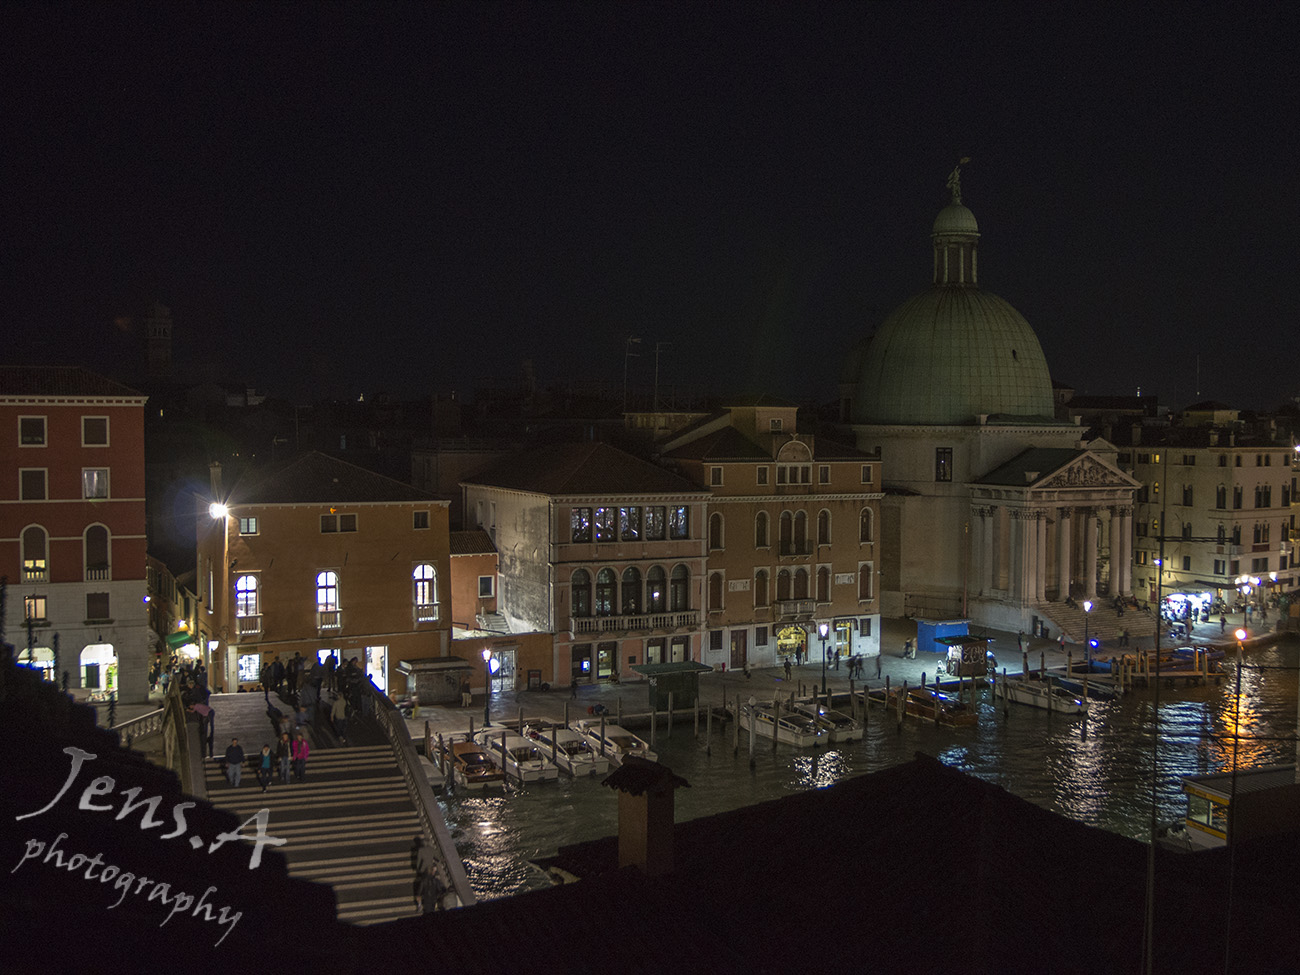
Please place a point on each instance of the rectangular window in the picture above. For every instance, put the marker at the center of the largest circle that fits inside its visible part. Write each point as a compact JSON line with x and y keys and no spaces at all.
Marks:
{"x":780,"y":475}
{"x":715,"y":640}
{"x":715,"y":476}
{"x":580,"y":524}
{"x":486,"y":586}
{"x":419,"y":520}
{"x":1259,"y":565}
{"x":34,"y":609}
{"x":1187,"y":495}
{"x":866,"y":473}
{"x":94,"y":482}
{"x":629,"y":524}
{"x":329,"y":523}
{"x":1236,"y":496}
{"x":774,"y":425}
{"x":1234,"y":567}
{"x":679,"y":525}
{"x":805,"y":474}
{"x":31,"y":431}
{"x":248,"y":526}
{"x":864,"y":625}
{"x":605,"y":531}
{"x":1187,"y":563}
{"x":94,"y":431}
{"x":943,"y":464}
{"x":760,"y":636}
{"x":1189,"y":460}
{"x":654,"y":524}
{"x":97,"y":606}
{"x":1220,"y":567}
{"x":762,"y":475}
{"x":824,"y":474}
{"x":1223,"y":460}
{"x":32,"y":484}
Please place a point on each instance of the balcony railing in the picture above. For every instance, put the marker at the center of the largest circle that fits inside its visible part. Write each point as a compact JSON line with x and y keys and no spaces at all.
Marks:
{"x":329,"y":620}
{"x":791,"y":608}
{"x":688,"y":619}
{"x":96,"y":573}
{"x":796,"y":548}
{"x":426,"y":613}
{"x":249,"y":624}
{"x":35,"y":575}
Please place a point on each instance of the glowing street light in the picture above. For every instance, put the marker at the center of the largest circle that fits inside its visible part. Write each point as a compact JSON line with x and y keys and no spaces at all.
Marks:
{"x":1087,"y":609}
{"x":822,"y":630}
{"x":487,"y":691}
{"x":218,"y":511}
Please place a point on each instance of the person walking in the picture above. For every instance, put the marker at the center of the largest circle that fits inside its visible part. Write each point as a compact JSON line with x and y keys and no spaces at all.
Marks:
{"x":234,"y":762}
{"x":339,"y":715}
{"x":465,"y":696}
{"x":878,"y":656}
{"x":283,"y":756}
{"x":264,"y":767}
{"x":788,"y":668}
{"x":300,"y":752}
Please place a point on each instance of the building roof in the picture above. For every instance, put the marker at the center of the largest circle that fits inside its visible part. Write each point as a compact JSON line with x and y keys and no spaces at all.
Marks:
{"x":640,"y":775}
{"x":1036,"y":460}
{"x":727,"y":444}
{"x":474,"y":542}
{"x":59,"y":381}
{"x":582,"y":469}
{"x":316,"y":478}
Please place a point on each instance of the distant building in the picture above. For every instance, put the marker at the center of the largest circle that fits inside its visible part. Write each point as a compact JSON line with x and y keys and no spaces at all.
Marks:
{"x":322,"y":558}
{"x":791,"y":536}
{"x":601,"y":548}
{"x":72,"y":526}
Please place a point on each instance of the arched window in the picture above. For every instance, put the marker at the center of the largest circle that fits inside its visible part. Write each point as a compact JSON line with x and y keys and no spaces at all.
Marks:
{"x":425,"y":578}
{"x":656,"y":590}
{"x":35,"y":548}
{"x":783,"y":584}
{"x":760,"y":530}
{"x":801,"y":583}
{"x":580,"y":598}
{"x":787,"y":533}
{"x":327,"y":592}
{"x":96,"y":552}
{"x":715,"y":591}
{"x":760,"y":587}
{"x":247,"y":599}
{"x":800,"y":532}
{"x":823,"y":585}
{"x":631,"y":591}
{"x":679,"y":589}
{"x":864,"y":526}
{"x":715,"y":530}
{"x":605,"y":583}
{"x":823,"y":527}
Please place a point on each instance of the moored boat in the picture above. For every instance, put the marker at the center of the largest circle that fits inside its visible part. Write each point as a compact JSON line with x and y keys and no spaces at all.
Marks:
{"x":922,"y":703}
{"x":790,"y":727}
{"x":470,"y":766}
{"x":520,"y":758}
{"x":617,"y":744}
{"x":1047,"y":695}
{"x":569,"y":750}
{"x":839,"y":726}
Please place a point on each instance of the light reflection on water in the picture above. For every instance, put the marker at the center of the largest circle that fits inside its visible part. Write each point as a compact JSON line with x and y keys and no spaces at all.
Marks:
{"x":1101,"y":777}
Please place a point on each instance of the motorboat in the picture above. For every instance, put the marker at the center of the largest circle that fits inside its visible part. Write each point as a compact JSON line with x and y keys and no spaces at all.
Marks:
{"x":790,"y":727}
{"x":1047,"y":695}
{"x":923,"y":702}
{"x":840,"y":726}
{"x":569,"y":750}
{"x":617,"y":744}
{"x":470,"y":766}
{"x":520,"y":758}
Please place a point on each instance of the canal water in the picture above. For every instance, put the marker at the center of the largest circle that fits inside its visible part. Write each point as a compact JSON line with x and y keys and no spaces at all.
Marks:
{"x":1099,"y":773}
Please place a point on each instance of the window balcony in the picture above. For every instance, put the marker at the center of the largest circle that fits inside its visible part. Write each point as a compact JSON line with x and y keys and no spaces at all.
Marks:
{"x":426,"y":613}
{"x":789,"y":609}
{"x":329,"y":619}
{"x":792,"y":549}
{"x":35,"y":575}
{"x":96,"y":573}
{"x":688,"y":619}
{"x":248,"y":625}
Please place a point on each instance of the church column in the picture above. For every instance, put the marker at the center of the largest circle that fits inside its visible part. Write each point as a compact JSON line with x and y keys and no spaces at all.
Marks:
{"x":988,"y":536}
{"x":1065,"y":525}
{"x":1090,"y":554}
{"x":1040,"y":577}
{"x":1126,"y":541}
{"x":1116,"y":550}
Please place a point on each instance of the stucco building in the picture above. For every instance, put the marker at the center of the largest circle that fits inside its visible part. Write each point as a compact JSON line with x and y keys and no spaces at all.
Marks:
{"x":791,"y":536}
{"x":320,"y":557}
{"x":600,"y":548}
{"x":72,"y":526}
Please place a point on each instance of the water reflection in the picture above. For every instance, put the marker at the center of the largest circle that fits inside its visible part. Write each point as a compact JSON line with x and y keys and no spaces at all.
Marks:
{"x":1098,"y":772}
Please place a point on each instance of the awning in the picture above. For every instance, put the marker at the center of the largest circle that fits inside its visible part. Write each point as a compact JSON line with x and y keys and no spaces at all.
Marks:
{"x":179,"y":639}
{"x":673,"y":667}
{"x":433,"y":665}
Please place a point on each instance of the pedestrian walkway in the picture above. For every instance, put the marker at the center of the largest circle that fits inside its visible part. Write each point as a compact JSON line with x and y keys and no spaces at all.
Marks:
{"x":350,"y":824}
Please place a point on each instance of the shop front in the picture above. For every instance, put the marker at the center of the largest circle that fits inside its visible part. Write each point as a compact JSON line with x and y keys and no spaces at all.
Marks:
{"x":99,"y":670}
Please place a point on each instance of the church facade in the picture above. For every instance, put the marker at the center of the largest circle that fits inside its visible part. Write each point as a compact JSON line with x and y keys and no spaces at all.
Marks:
{"x":993,"y":509}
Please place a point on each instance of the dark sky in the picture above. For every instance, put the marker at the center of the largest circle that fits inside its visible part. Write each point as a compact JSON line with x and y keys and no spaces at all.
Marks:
{"x":344,"y":199}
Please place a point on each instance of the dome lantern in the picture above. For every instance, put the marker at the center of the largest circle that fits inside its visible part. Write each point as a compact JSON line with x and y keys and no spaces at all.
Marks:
{"x":955,"y":236}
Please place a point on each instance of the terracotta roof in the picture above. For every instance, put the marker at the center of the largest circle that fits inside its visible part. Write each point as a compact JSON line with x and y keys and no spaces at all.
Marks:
{"x":59,"y":381}
{"x":476,"y":542}
{"x":582,"y":469}
{"x":316,"y":478}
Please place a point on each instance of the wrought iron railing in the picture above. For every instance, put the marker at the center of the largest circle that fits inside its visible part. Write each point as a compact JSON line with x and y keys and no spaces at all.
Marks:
{"x":249,"y":624}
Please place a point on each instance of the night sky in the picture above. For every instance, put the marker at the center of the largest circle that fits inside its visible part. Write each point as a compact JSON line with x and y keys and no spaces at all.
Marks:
{"x":365,"y":198}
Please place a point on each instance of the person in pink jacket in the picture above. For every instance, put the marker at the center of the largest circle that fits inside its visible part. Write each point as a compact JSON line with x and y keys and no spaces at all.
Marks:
{"x":300,"y":750}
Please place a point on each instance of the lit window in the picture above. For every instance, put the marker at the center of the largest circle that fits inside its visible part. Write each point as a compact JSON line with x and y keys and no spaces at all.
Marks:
{"x":580,"y":524}
{"x":35,"y":543}
{"x":943,"y":464}
{"x":34,"y":609}
{"x":94,"y":482}
{"x":679,"y":522}
{"x":605,"y":531}
{"x":425,"y":579}
{"x":327,"y":598}
{"x":248,"y":526}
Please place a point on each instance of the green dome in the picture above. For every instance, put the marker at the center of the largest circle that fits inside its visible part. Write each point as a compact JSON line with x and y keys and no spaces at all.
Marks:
{"x":955,"y":219}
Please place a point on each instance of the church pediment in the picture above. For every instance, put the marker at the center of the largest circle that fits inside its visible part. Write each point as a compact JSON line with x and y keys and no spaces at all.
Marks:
{"x":1087,"y":471}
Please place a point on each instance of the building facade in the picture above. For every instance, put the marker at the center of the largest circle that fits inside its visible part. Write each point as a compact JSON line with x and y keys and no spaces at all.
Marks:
{"x":600,"y":548}
{"x":322,"y":558}
{"x":72,"y":527}
{"x":791,"y":537}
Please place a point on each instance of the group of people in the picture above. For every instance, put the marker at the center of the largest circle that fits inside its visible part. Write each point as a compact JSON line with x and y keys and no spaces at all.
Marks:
{"x":289,"y":754}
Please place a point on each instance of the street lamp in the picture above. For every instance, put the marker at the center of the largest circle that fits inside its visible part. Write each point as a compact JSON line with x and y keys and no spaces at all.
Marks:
{"x":487,"y":689}
{"x":822,"y":630}
{"x":1087,"y":647}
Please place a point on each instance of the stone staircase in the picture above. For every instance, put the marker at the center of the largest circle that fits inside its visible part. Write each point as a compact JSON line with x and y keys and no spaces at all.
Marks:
{"x":1103,"y":624}
{"x":350,"y":825}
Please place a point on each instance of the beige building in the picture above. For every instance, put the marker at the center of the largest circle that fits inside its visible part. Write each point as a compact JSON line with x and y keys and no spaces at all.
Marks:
{"x":321,"y":558}
{"x":791,"y":536}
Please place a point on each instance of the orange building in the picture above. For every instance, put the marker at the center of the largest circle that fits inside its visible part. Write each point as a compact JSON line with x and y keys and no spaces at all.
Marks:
{"x":792,"y":537}
{"x":320,"y":557}
{"x":72,"y":527}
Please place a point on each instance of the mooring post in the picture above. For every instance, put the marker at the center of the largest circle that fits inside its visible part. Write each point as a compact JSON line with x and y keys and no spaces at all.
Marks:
{"x":670,"y":714}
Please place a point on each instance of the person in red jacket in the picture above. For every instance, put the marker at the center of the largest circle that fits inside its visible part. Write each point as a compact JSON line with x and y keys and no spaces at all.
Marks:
{"x":300,"y":750}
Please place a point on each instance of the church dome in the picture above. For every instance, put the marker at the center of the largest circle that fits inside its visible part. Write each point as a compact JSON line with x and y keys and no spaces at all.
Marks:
{"x":952,"y":352}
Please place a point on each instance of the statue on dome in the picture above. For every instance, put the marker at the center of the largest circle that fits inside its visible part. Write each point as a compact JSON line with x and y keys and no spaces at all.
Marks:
{"x":954,"y":180}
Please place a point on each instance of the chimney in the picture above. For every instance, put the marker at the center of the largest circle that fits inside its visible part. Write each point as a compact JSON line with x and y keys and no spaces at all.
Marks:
{"x":1137,"y":434}
{"x":645,"y":814}
{"x":214,"y":475}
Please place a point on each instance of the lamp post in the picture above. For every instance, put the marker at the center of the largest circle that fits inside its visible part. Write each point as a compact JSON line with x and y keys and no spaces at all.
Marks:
{"x":487,"y":688}
{"x":1087,"y":647}
{"x":822,"y":630}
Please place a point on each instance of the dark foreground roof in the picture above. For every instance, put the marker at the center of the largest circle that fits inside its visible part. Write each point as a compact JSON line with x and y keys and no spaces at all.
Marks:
{"x":582,"y":469}
{"x":59,"y":381}
{"x":316,"y":478}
